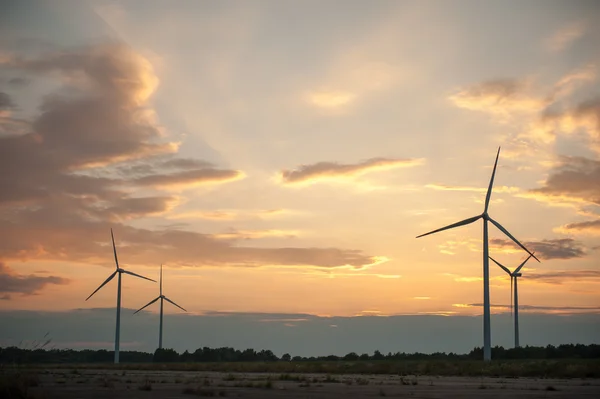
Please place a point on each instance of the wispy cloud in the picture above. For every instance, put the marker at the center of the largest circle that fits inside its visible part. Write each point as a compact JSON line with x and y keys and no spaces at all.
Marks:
{"x":14,"y":283}
{"x":590,"y":227}
{"x":562,"y":248}
{"x":330,"y":99}
{"x":565,"y":36}
{"x":235,"y":214}
{"x":562,"y":276}
{"x":500,"y":98}
{"x":322,"y":171}
{"x":254,"y":234}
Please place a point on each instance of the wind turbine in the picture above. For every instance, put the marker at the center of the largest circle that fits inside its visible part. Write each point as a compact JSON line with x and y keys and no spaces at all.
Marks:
{"x":120,"y":271}
{"x":162,"y":298}
{"x":513,"y":282}
{"x":487,"y":350}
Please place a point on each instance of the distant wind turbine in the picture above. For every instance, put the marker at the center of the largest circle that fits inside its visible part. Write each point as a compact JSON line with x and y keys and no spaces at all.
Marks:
{"x":487,"y":350}
{"x":161,"y":297}
{"x":513,"y":283}
{"x":120,"y":271}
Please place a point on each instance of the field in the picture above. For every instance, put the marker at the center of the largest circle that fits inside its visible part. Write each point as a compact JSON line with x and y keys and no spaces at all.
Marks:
{"x":418,"y":379}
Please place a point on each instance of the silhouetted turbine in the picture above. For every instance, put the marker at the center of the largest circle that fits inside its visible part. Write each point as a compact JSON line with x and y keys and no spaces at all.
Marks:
{"x":513,"y":283}
{"x":161,"y":297}
{"x":487,"y":350}
{"x":120,"y":272}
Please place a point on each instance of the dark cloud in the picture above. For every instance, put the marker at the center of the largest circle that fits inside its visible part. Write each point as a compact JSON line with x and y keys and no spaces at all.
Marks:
{"x":590,"y":226}
{"x":563,"y":248}
{"x":12,"y":283}
{"x":5,"y":101}
{"x":73,"y":175}
{"x":306,"y":173}
{"x":576,"y":177}
{"x":18,"y":81}
{"x":559,"y":277}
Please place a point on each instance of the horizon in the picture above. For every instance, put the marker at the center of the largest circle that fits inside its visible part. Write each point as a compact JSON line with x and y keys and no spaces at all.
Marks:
{"x":280,"y":159}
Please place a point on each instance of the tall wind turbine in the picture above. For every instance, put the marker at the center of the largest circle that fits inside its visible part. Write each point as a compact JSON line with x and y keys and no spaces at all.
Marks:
{"x":487,"y":349}
{"x":162,"y":298}
{"x":513,"y":283}
{"x":120,"y":271}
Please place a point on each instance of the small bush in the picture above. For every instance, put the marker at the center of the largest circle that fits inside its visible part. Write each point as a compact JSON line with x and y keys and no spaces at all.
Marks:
{"x":145,"y":386}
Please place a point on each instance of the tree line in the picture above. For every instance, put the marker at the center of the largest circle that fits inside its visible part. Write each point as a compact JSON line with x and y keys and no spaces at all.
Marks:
{"x":226,"y":354}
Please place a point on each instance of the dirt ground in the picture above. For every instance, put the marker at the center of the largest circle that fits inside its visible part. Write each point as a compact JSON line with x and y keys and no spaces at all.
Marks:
{"x":66,"y":383}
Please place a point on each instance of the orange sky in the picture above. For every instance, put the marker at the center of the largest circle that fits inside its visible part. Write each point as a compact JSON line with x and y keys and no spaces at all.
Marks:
{"x":284,"y":158}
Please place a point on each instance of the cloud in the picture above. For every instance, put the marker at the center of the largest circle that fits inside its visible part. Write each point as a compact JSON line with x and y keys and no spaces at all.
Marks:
{"x":562,"y":248}
{"x":5,"y":102}
{"x":254,"y":234}
{"x":330,"y":99}
{"x":95,"y":155}
{"x":234,"y":214}
{"x":574,"y":178}
{"x":11,"y":282}
{"x":351,"y":79}
{"x":568,"y":309}
{"x":591,"y":227}
{"x":189,"y":178}
{"x":584,"y":117}
{"x":307,"y":174}
{"x":536,"y":118}
{"x":498,"y":189}
{"x":559,"y":277}
{"x":499,"y":97}
{"x":565,"y":36}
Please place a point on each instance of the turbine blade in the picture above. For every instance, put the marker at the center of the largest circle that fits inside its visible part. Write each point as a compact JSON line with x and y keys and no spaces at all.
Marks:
{"x":149,"y":303}
{"x":114,"y":247}
{"x":503,"y":268}
{"x":103,"y":284}
{"x":161,"y":279}
{"x":523,"y":264}
{"x":489,"y":191}
{"x":502,"y":229}
{"x":137,"y":275}
{"x":167,"y":299}
{"x":457,"y":224}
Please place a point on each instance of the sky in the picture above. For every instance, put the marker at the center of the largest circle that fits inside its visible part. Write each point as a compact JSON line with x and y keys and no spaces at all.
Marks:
{"x":279,"y":159}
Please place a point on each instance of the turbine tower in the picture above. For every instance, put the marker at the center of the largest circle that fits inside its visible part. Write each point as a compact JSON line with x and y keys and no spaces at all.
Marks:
{"x":513,"y":283}
{"x":120,"y":271}
{"x":487,"y":349}
{"x":162,"y":298}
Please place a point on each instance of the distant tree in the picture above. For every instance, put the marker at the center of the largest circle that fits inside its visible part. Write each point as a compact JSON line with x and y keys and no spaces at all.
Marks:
{"x":286,"y":357}
{"x":165,"y":356}
{"x":377,"y":355}
{"x":351,"y":356}
{"x":364,"y":356}
{"x":186,"y":357}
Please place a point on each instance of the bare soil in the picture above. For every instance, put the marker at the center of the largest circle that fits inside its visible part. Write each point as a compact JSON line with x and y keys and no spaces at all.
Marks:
{"x":89,"y":383}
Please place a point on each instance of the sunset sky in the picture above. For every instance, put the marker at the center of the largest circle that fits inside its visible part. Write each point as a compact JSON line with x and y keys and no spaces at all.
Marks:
{"x":280,"y":157}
